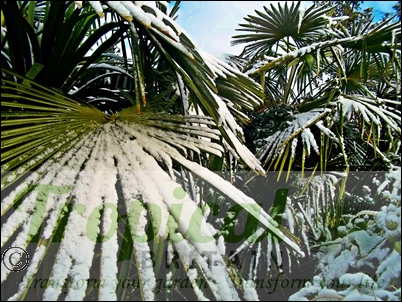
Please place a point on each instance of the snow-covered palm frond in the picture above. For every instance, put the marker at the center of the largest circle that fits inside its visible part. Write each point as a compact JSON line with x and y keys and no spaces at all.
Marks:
{"x":376,"y":118}
{"x":209,"y":80}
{"x":300,"y":52}
{"x":115,"y":154}
{"x":128,"y":152}
{"x":160,"y":46}
{"x":94,"y":168}
{"x":374,"y":37}
{"x":372,"y":112}
{"x":283,"y":144}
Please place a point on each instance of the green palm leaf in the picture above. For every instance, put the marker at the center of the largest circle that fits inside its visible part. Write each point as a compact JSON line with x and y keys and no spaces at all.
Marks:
{"x":279,"y":25}
{"x":98,"y":170}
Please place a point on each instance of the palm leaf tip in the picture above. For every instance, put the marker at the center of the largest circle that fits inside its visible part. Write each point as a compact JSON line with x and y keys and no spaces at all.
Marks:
{"x":96,"y":5}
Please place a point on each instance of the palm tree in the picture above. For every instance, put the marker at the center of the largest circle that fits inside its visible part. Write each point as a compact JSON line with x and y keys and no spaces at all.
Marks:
{"x":97,"y":145}
{"x":330,"y":78}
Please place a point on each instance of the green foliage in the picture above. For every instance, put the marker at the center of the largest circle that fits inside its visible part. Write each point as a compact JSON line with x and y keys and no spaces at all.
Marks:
{"x":81,"y":96}
{"x":336,"y":80}
{"x":328,"y":93}
{"x":161,"y":121}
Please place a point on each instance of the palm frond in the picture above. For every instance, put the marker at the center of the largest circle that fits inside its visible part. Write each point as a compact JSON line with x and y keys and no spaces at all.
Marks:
{"x":281,"y":24}
{"x":79,"y":154}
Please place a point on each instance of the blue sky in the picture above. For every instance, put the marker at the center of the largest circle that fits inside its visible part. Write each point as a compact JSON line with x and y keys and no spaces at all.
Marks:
{"x":211,"y":24}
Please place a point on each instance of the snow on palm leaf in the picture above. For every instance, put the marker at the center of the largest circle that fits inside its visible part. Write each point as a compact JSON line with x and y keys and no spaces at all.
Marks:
{"x":331,"y":78}
{"x":279,"y":141}
{"x":115,"y":153}
{"x":370,"y":110}
{"x":221,"y":91}
{"x":78,"y":156}
{"x":345,"y":107}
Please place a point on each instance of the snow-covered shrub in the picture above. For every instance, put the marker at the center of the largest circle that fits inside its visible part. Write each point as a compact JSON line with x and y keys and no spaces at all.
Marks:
{"x":362,"y":264}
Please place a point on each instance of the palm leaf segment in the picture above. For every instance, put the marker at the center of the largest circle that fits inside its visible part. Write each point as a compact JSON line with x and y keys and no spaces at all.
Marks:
{"x":67,"y":142}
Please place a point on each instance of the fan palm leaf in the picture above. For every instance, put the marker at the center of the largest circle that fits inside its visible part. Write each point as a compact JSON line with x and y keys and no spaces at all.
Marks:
{"x":280,"y":25}
{"x":118,"y":151}
{"x":80,"y":171}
